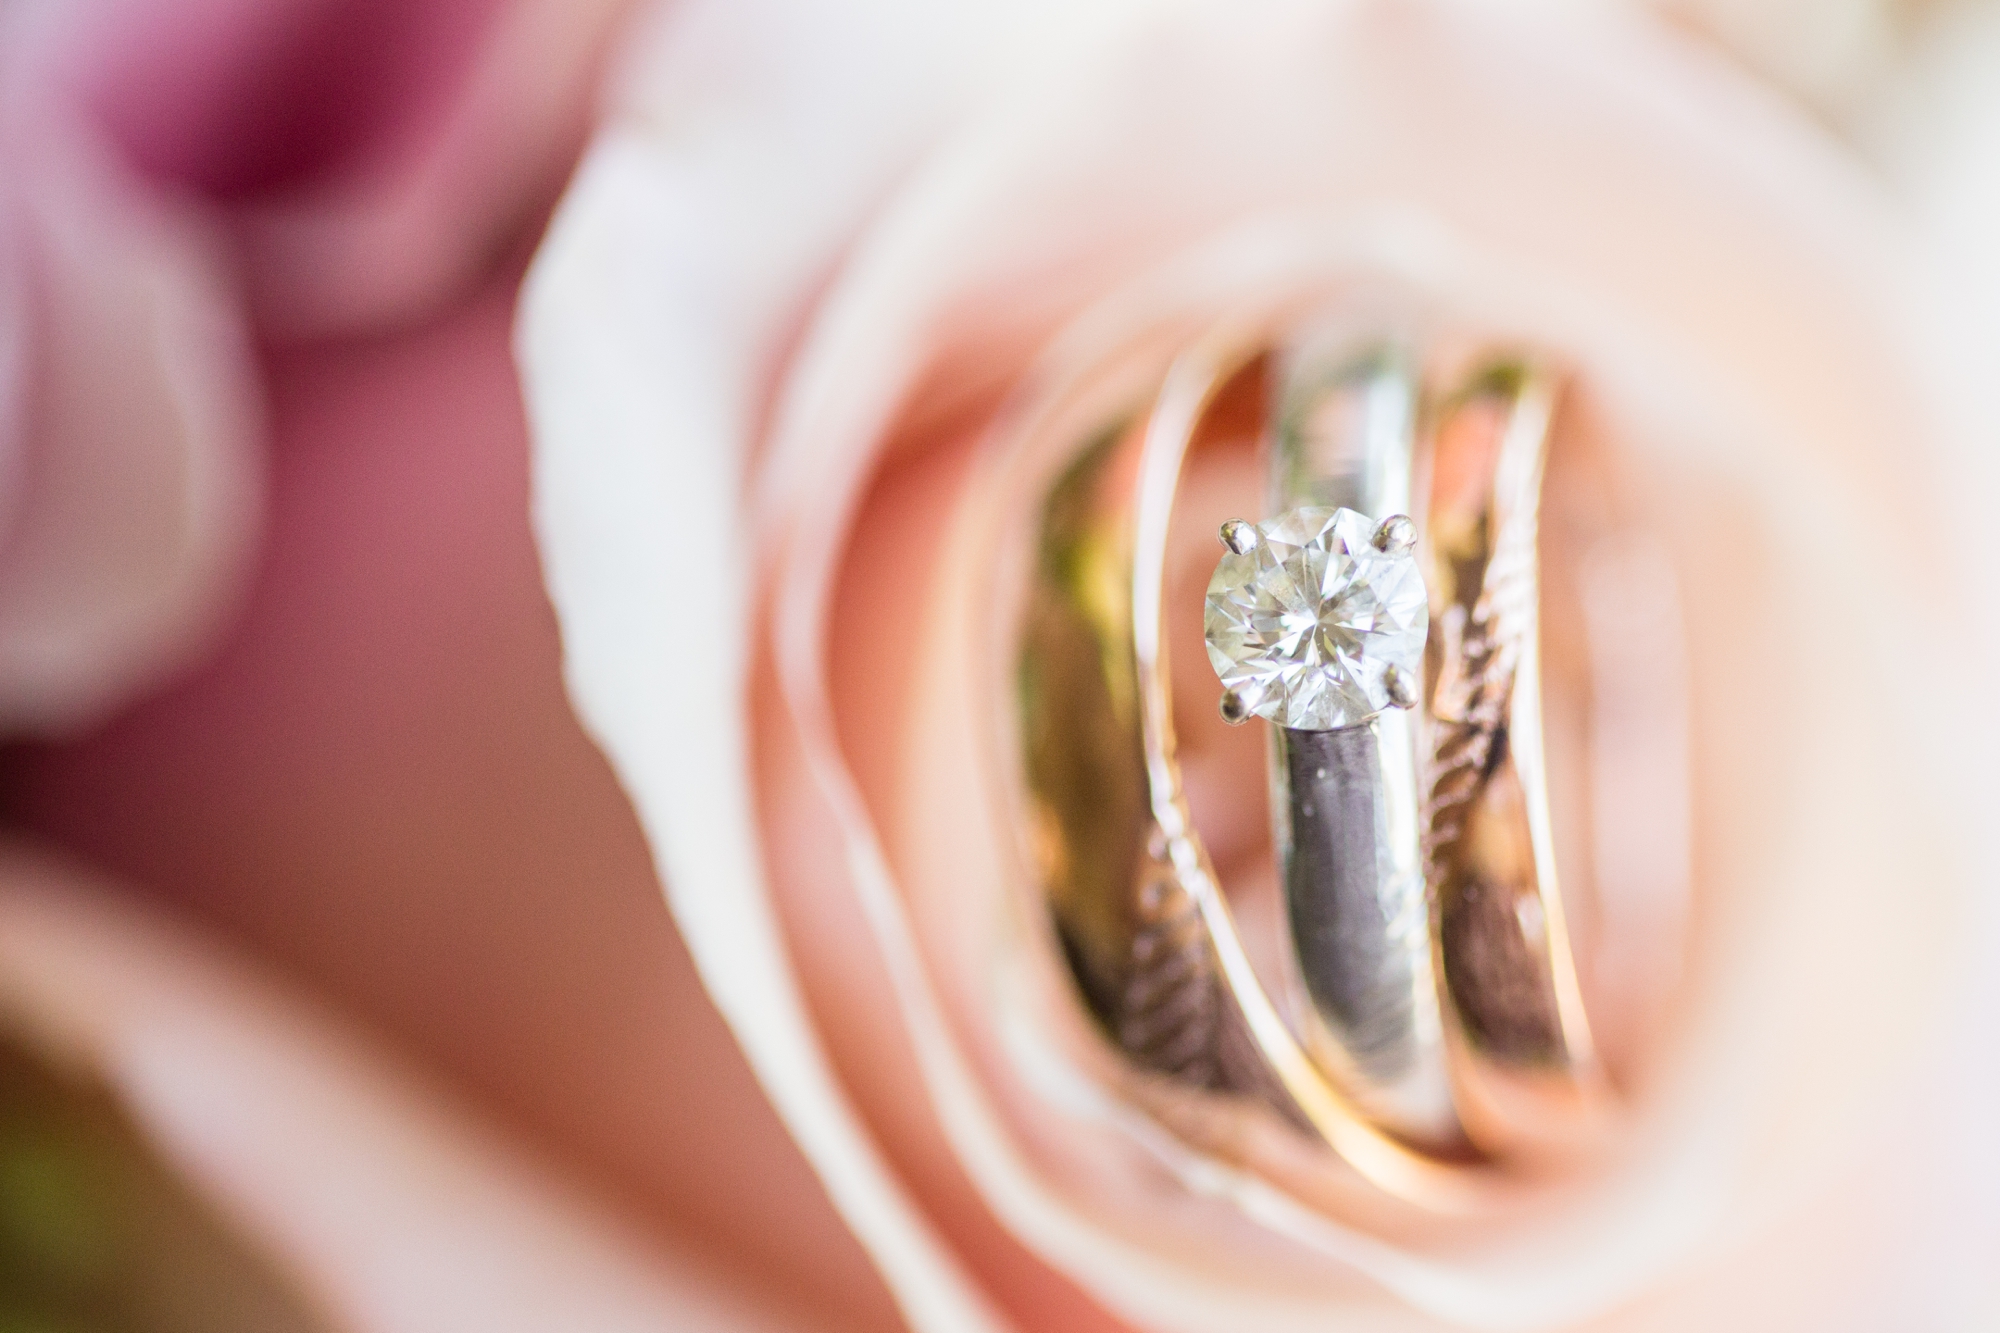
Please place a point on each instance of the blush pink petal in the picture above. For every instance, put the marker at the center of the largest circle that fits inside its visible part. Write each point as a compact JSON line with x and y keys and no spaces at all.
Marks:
{"x":391,"y":1210}
{"x":129,"y":472}
{"x":372,"y":158}
{"x":401,"y":234}
{"x":377,"y":784}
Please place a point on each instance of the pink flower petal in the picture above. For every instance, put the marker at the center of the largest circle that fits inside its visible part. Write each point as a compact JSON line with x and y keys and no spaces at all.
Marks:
{"x":374,"y":157}
{"x":397,"y":1212}
{"x":378,"y":784}
{"x":128,"y":496}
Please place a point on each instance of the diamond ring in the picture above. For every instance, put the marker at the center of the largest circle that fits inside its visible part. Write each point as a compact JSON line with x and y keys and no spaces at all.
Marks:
{"x":1437,"y":969}
{"x":1408,"y":997}
{"x":1316,"y":620}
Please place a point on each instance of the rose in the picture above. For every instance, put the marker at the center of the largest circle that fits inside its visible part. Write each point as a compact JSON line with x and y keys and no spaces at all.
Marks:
{"x":768,"y":327}
{"x":255,"y":795}
{"x":146,"y":180}
{"x":174,"y":198}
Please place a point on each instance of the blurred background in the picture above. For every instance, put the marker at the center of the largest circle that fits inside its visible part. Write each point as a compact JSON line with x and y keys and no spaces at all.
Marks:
{"x":355,"y":763}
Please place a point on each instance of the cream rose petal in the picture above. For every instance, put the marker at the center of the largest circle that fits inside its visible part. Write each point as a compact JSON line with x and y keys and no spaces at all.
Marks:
{"x":748,"y":142}
{"x":392,"y":1212}
{"x":1758,"y":291}
{"x":1580,"y":221}
{"x":1934,"y":132}
{"x":1828,"y":52}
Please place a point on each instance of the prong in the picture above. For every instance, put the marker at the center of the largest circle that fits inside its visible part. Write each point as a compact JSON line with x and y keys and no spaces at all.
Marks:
{"x":1234,"y":711}
{"x":1395,"y":534}
{"x":1239,"y":536}
{"x":1401,"y":687}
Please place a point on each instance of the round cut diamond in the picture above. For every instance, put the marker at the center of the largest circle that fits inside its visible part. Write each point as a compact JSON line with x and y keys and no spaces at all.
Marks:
{"x":1304,"y":625}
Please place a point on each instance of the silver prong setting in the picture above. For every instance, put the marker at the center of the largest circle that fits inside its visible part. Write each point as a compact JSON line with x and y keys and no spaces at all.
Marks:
{"x":1240,"y":537}
{"x":1401,"y":687}
{"x":1395,"y":535}
{"x":1235,"y":711}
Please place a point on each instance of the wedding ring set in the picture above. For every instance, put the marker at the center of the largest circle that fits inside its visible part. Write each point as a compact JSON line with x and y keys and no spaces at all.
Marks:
{"x":1403,"y":990}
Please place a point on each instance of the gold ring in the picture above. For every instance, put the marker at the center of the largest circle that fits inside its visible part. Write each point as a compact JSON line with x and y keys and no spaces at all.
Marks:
{"x":1488,"y":1050}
